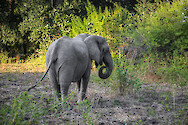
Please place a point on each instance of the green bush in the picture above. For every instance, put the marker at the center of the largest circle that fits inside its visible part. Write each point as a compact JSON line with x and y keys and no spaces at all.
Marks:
{"x":163,"y":26}
{"x":34,"y":24}
{"x":105,"y":23}
{"x":28,"y":109}
{"x":21,"y":109}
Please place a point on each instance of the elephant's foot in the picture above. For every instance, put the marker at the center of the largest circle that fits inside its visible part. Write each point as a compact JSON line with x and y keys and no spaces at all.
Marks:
{"x":81,"y":97}
{"x":80,"y":100}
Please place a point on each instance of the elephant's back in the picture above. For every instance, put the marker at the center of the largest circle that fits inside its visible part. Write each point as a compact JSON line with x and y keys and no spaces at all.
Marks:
{"x":67,"y":50}
{"x":80,"y":50}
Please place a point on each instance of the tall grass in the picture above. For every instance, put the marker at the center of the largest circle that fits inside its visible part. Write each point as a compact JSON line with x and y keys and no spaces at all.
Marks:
{"x":42,"y":109}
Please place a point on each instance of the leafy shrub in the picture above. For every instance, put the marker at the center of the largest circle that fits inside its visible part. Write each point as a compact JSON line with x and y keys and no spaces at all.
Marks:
{"x":106,"y":23}
{"x":33,"y":24}
{"x":38,"y":109}
{"x":163,"y":26}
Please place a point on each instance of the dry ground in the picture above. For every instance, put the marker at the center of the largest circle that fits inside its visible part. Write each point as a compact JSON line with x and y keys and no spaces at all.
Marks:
{"x":153,"y":104}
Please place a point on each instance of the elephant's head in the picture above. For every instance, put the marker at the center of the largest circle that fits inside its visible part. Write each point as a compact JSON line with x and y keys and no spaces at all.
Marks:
{"x":100,"y":52}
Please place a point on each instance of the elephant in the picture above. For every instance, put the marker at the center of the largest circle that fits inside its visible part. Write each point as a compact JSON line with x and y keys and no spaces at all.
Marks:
{"x":70,"y":59}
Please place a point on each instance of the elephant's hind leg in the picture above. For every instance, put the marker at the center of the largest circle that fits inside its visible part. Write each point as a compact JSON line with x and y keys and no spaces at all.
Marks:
{"x":56,"y":86}
{"x":58,"y":91}
{"x":65,"y":79}
{"x":64,"y":89}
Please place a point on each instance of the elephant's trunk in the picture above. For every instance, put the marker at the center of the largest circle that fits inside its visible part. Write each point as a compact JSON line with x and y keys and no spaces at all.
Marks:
{"x":108,"y":66}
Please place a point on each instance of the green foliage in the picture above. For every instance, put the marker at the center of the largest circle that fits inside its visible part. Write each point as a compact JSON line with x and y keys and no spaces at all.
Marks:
{"x":28,"y":109}
{"x":33,"y":24}
{"x":177,"y":72}
{"x":160,"y":26}
{"x":39,"y":26}
{"x":126,"y":74}
{"x":105,"y":23}
{"x":22,"y":35}
{"x":85,"y":108}
{"x":4,"y":58}
{"x":22,"y":108}
{"x":163,"y":26}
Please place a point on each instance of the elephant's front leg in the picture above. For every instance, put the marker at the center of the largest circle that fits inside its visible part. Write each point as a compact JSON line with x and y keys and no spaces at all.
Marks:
{"x":78,"y":84}
{"x":84,"y":87}
{"x":84,"y":82}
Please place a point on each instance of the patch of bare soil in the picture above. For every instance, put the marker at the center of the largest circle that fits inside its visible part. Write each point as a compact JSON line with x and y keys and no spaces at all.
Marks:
{"x":153,"y":104}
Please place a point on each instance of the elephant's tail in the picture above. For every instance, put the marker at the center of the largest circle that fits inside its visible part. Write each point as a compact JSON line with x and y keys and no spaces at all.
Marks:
{"x":42,"y":76}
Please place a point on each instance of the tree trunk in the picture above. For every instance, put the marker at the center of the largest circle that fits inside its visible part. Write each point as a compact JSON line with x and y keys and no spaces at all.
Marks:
{"x":11,"y":6}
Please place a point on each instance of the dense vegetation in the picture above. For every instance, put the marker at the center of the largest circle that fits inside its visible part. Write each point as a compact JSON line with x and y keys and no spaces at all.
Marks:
{"x":155,"y":29}
{"x":148,"y":39}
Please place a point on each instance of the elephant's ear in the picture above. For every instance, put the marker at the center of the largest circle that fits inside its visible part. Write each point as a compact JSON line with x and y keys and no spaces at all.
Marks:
{"x":94,"y":47}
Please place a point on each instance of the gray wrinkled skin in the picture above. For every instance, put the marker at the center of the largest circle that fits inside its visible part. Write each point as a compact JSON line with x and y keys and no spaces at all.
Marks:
{"x":69,"y":60}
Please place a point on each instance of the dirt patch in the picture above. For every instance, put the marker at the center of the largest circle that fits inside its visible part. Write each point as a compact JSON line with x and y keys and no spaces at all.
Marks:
{"x":153,"y":104}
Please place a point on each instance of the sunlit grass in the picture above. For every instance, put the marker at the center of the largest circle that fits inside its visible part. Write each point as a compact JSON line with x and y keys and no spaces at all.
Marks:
{"x":30,"y":65}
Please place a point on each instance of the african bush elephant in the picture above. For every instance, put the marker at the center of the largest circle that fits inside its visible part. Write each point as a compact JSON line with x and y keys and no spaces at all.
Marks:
{"x":69,"y":60}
